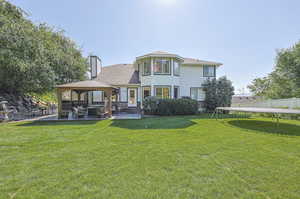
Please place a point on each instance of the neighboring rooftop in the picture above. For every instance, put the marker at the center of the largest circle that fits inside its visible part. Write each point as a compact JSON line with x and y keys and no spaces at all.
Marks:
{"x":119,"y":74}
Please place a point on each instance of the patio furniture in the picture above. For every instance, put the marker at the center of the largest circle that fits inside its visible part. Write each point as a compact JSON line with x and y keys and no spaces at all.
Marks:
{"x":100,"y":112}
{"x":36,"y":112}
{"x":115,"y":107}
{"x":79,"y":111}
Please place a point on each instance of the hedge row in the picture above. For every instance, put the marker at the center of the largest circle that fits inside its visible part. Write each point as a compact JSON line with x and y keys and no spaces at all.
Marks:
{"x":155,"y":106}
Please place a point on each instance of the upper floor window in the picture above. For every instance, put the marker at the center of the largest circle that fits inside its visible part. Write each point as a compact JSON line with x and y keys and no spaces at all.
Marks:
{"x":146,"y":67}
{"x":176,"y":68}
{"x":209,"y":71}
{"x":162,"y":66}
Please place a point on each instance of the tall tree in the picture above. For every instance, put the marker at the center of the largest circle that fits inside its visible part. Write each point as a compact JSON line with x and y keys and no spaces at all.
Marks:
{"x":284,"y":81}
{"x":34,"y":58}
{"x":260,"y":86}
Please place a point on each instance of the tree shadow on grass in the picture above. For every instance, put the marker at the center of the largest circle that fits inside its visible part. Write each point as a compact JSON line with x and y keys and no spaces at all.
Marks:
{"x":267,"y":127}
{"x":57,"y":123}
{"x":155,"y":123}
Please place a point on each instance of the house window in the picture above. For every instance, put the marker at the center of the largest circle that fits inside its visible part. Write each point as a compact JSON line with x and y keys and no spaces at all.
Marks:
{"x":176,"y":92}
{"x":98,"y":96}
{"x":209,"y":71}
{"x":162,"y":66}
{"x":162,"y":92}
{"x":146,"y":67}
{"x":146,"y":92}
{"x":176,"y":68}
{"x":197,"y":94}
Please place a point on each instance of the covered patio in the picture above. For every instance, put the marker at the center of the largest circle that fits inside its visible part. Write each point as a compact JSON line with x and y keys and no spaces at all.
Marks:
{"x":76,"y":100}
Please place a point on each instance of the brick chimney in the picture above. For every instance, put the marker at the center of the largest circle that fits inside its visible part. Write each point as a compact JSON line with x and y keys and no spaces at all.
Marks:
{"x":95,"y":66}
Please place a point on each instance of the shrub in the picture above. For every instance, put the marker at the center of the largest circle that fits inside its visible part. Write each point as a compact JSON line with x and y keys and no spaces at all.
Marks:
{"x":153,"y":105}
{"x":150,"y":105}
{"x":219,"y":92}
{"x":186,"y":97}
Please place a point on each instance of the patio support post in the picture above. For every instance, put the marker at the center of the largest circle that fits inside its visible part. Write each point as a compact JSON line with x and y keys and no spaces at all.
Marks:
{"x":59,"y":102}
{"x":109,"y":95}
{"x":71,"y":91}
{"x":78,"y":97}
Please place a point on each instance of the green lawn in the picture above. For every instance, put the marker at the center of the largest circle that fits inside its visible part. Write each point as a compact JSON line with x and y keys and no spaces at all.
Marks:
{"x":167,"y":157}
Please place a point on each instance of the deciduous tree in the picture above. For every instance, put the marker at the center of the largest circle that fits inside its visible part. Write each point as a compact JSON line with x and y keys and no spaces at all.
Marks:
{"x":34,"y":58}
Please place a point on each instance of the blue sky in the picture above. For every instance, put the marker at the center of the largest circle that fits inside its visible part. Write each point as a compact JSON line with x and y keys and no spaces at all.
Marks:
{"x":242,"y":34}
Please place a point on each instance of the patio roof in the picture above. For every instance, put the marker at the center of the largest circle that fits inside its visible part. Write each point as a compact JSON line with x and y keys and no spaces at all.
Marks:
{"x":83,"y":86}
{"x":88,"y":84}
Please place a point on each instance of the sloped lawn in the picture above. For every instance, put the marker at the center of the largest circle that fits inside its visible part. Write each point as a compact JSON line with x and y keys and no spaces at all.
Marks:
{"x":167,"y":157}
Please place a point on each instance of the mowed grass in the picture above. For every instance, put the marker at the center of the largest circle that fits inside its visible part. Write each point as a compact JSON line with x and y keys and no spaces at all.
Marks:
{"x":166,"y":157}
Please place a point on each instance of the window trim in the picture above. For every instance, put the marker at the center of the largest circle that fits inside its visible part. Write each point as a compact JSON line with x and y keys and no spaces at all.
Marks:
{"x":209,"y":66}
{"x":197,"y":93}
{"x":158,"y":73}
{"x":143,"y":97}
{"x":163,"y":86}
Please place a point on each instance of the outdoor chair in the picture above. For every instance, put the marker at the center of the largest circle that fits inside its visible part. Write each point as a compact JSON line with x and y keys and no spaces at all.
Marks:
{"x":79,"y":111}
{"x":100,"y":112}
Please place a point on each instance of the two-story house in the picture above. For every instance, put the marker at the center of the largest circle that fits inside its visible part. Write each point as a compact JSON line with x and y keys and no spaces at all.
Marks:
{"x":160,"y":74}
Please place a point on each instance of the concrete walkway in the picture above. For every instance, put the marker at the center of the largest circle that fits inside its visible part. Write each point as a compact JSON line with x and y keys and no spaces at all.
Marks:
{"x":120,"y":116}
{"x":126,"y":116}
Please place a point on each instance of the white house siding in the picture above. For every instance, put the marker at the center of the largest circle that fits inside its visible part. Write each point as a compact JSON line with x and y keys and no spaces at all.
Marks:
{"x":160,"y":80}
{"x":190,"y":76}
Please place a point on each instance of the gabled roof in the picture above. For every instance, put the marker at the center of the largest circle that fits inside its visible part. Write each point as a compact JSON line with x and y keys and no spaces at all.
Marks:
{"x":192,"y":61}
{"x":86,"y":84}
{"x":160,"y":54}
{"x":119,"y":74}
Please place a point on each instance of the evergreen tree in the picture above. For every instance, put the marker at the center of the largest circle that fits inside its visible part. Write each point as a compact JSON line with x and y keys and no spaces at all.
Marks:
{"x":218,"y":93}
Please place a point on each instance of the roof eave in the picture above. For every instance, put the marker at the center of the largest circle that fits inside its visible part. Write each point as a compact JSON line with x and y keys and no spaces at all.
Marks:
{"x":77,"y":85}
{"x":160,"y":55}
{"x":202,"y":64}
